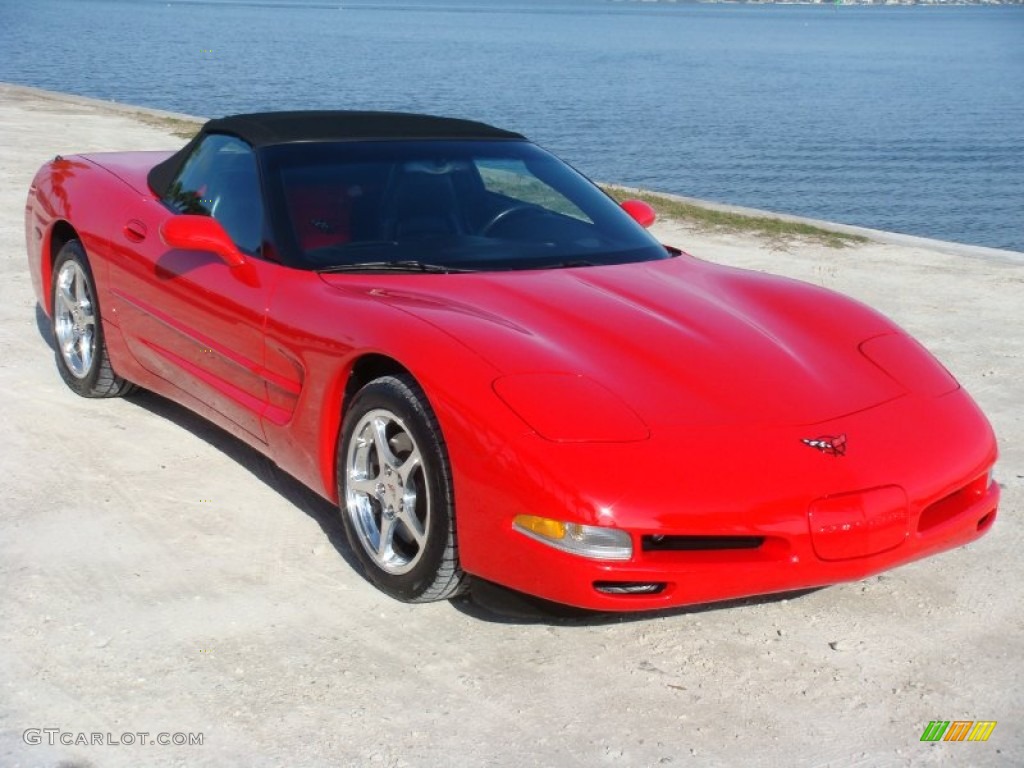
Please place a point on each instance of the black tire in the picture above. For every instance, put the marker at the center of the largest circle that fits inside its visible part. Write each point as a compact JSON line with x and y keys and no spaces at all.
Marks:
{"x":79,"y":347}
{"x":403,"y":507}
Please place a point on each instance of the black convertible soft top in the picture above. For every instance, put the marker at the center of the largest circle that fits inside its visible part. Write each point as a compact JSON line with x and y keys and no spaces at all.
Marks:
{"x":265,"y":128}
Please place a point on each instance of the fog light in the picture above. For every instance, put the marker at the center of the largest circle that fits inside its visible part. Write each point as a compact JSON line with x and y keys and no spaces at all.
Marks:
{"x":592,"y":541}
{"x":629,"y":587}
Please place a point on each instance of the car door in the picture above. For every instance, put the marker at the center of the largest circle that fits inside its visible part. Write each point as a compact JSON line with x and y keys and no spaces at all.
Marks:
{"x":187,"y":316}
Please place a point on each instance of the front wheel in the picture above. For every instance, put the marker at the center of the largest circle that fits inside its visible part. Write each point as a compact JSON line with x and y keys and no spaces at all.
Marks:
{"x":396,"y":494}
{"x":81,"y":353}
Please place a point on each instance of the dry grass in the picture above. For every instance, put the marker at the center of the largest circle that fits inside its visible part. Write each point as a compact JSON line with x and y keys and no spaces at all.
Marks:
{"x":178,"y":126}
{"x":708,"y":219}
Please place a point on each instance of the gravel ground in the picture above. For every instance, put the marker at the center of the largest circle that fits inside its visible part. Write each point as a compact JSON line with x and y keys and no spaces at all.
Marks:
{"x":158,"y":576}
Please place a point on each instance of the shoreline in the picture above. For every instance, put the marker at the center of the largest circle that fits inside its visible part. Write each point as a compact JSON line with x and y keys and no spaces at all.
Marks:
{"x":178,"y":124}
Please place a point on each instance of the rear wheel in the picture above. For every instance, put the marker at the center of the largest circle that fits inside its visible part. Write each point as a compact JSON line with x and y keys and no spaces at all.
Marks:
{"x":81,"y":353}
{"x":396,"y":492}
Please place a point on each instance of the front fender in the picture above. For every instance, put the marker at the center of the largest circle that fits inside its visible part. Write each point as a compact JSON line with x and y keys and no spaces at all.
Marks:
{"x":311,"y":355}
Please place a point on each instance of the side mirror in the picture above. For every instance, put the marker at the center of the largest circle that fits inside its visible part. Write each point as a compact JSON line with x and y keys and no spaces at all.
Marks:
{"x":642,"y":213}
{"x":201,"y":233}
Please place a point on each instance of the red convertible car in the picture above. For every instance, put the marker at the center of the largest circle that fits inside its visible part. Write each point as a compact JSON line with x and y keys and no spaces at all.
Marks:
{"x":494,"y":369}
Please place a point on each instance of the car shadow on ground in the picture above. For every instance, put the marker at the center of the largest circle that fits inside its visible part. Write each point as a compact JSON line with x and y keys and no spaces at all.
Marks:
{"x":496,"y":604}
{"x":44,"y":328}
{"x":323,"y":512}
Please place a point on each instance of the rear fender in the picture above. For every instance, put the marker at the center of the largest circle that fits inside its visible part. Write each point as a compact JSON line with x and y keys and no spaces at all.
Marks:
{"x":72,"y":197}
{"x":42,"y":212}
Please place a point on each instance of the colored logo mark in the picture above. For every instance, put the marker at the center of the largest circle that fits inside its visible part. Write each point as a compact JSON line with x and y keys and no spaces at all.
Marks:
{"x":832,"y":445}
{"x":958,"y":730}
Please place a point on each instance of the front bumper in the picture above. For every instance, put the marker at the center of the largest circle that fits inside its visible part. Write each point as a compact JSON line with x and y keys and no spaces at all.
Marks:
{"x":738,"y":516}
{"x":684,"y":577}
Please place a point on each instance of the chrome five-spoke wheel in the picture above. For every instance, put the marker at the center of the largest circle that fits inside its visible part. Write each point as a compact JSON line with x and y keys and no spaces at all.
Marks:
{"x":395,"y":485}
{"x":74,"y":321}
{"x":79,"y":346}
{"x":386,"y":497}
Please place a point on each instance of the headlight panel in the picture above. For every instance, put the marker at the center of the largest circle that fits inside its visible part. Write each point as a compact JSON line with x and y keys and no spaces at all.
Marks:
{"x":591,"y":541}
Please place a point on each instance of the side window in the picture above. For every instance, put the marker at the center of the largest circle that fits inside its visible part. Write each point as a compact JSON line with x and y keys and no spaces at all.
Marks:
{"x":512,"y":178}
{"x":220,"y":179}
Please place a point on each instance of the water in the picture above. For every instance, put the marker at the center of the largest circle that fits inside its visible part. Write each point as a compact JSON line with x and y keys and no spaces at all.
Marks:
{"x":902,"y":118}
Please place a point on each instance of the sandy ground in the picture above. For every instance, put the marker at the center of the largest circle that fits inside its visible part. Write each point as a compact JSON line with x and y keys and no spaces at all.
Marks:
{"x":158,"y":576}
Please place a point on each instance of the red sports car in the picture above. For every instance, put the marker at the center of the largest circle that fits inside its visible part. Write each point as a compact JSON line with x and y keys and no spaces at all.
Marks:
{"x":493,"y":369}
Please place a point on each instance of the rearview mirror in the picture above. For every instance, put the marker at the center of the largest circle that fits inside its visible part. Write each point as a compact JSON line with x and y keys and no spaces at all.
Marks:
{"x":201,"y":233}
{"x":642,"y":213}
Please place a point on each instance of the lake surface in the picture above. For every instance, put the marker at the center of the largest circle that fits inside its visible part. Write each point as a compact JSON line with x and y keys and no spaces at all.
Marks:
{"x":902,"y":118}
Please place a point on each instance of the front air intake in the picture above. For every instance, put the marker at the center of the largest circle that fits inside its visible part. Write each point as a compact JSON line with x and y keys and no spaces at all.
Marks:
{"x":658,"y":543}
{"x":949,"y":507}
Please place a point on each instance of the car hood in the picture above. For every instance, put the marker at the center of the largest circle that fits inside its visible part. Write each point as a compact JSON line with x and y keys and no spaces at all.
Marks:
{"x":681,"y":341}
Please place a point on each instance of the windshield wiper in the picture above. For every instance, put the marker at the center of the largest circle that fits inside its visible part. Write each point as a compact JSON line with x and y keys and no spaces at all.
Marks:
{"x":407,"y":265}
{"x":571,"y":263}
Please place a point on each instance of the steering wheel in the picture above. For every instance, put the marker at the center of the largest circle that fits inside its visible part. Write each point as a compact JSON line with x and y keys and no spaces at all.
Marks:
{"x":500,"y":216}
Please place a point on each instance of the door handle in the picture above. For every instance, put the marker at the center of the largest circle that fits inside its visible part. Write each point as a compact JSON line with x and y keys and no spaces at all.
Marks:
{"x":135,"y":230}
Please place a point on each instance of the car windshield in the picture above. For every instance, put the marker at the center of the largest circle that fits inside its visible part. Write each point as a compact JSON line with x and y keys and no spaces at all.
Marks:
{"x":438,"y":206}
